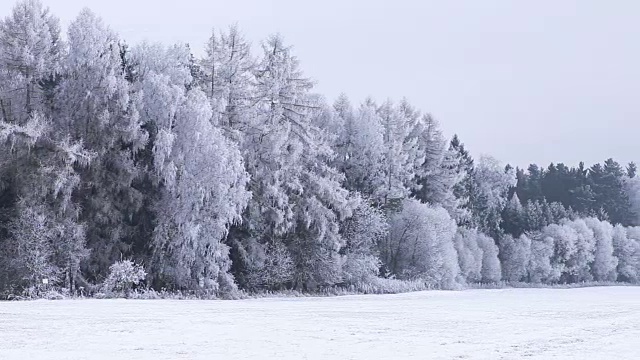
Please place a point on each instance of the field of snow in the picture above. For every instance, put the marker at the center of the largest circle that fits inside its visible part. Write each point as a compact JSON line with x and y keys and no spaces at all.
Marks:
{"x":587,"y":323}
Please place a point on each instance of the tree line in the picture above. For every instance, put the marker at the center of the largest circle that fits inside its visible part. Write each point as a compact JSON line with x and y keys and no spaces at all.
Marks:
{"x":229,"y":172}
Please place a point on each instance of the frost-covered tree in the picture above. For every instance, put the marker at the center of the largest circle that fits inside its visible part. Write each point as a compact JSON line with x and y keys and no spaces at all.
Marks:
{"x":39,"y":161}
{"x":94,"y":106}
{"x":31,"y":49}
{"x":363,"y":232}
{"x":516,"y":255}
{"x":200,"y":173}
{"x":31,"y":247}
{"x":228,"y":78}
{"x":463,"y":166}
{"x":297,"y":196}
{"x":514,"y":217}
{"x":439,"y":173}
{"x":564,"y":241}
{"x":491,"y":271}
{"x":540,"y":268}
{"x":362,"y":151}
{"x":420,"y":244}
{"x":469,"y":255}
{"x":489,"y":198}
{"x":632,"y":190}
{"x":573,"y":249}
{"x":626,"y":248}
{"x":604,"y":262}
{"x":401,"y":154}
{"x":578,"y":267}
{"x":477,"y":256}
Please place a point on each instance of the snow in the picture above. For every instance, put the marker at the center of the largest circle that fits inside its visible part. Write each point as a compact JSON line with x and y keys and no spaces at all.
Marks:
{"x":593,"y":323}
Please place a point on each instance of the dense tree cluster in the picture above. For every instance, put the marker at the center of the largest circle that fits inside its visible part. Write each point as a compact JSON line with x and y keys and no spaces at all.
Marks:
{"x":228,"y":171}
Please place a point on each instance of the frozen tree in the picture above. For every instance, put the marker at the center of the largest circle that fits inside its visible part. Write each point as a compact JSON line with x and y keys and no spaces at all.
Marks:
{"x":463,"y":166}
{"x":574,"y":246}
{"x":564,"y":241}
{"x":477,"y":256}
{"x":342,"y":125}
{"x":39,"y":160}
{"x":439,"y":173}
{"x":604,"y":262}
{"x":540,"y":268}
{"x":200,"y":172}
{"x":579,"y":264}
{"x":420,"y":244}
{"x":362,"y":232}
{"x":632,"y":190}
{"x":31,"y":49}
{"x":514,"y":217}
{"x":362,"y":153}
{"x":32,"y":247}
{"x":297,"y":198}
{"x":94,"y":106}
{"x":228,"y":79}
{"x":515,"y":254}
{"x":491,"y":188}
{"x":205,"y":181}
{"x":401,"y":155}
{"x":626,"y":248}
{"x":491,"y":271}
{"x":470,"y":255}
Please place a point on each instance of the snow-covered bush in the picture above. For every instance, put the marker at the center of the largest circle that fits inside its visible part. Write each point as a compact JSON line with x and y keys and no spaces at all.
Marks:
{"x":123,"y":276}
{"x":360,"y":268}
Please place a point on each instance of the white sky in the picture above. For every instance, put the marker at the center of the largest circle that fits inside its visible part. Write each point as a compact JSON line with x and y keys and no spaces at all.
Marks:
{"x":535,"y":81}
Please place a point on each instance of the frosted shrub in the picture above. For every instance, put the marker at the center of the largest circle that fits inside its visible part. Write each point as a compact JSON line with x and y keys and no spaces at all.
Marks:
{"x":123,"y":275}
{"x":360,"y":268}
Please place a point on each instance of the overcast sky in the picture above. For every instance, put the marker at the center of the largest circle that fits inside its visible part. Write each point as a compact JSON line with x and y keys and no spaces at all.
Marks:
{"x":535,"y":81}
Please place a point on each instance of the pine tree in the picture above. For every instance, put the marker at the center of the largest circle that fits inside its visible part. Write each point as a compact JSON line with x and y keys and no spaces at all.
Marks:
{"x":298,"y":199}
{"x":462,"y":190}
{"x":228,"y":79}
{"x":401,"y":155}
{"x":491,"y":184}
{"x":440,"y":173}
{"x":514,"y":217}
{"x":362,"y":154}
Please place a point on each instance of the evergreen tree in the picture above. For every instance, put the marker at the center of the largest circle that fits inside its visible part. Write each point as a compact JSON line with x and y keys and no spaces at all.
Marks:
{"x":462,"y":190}
{"x":297,"y":198}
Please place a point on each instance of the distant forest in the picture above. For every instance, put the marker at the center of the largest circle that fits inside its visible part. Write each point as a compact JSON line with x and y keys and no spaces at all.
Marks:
{"x":143,"y":166}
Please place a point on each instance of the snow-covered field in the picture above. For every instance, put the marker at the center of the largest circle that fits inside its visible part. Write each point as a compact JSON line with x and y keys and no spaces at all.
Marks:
{"x":587,"y":323}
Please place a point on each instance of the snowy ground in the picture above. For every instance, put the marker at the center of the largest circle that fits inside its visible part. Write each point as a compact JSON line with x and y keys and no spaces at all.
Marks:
{"x":588,"y":323}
